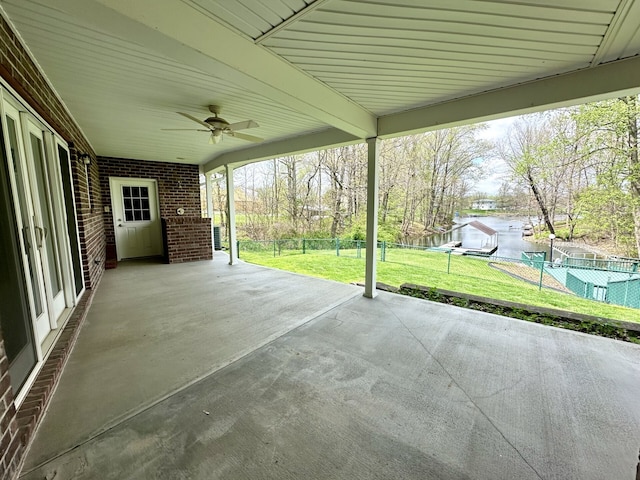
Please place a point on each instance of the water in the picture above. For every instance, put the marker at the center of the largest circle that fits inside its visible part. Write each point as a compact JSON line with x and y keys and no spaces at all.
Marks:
{"x":511,"y":243}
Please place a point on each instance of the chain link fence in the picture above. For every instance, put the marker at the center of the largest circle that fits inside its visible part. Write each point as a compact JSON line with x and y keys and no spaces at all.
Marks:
{"x":299,"y":246}
{"x":610,"y":281}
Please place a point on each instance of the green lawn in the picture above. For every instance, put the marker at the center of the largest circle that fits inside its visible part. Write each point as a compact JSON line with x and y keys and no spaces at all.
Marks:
{"x":467,"y":275}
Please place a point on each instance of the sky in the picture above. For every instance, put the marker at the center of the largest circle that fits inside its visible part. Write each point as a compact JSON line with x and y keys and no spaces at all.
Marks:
{"x":496,"y":168}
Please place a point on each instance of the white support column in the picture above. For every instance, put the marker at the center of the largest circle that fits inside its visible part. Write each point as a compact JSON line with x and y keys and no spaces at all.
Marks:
{"x":372,"y":217}
{"x":208,"y":188}
{"x":231,"y":216}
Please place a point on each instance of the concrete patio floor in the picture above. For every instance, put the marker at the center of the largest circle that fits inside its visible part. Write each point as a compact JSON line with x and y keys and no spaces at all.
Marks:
{"x":205,"y":370}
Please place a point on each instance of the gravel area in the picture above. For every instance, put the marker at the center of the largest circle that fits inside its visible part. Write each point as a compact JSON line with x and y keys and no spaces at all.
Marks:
{"x":530,"y":274}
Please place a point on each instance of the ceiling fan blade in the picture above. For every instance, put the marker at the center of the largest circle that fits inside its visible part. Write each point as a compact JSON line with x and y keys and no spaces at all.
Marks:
{"x":244,"y":136}
{"x":184,"y":130}
{"x":190,"y":117}
{"x":243,"y":125}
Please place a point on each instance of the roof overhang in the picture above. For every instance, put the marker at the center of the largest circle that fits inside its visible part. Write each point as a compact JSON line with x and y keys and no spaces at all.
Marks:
{"x":318,"y":73}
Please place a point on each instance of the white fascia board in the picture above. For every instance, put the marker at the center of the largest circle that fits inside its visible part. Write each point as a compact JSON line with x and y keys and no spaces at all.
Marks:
{"x":290,"y":146}
{"x":178,"y":31}
{"x":588,"y":85}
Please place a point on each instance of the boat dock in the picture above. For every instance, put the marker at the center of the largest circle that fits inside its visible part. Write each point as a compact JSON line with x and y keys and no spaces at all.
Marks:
{"x":489,"y":248}
{"x":474,"y":251}
{"x":453,"y":244}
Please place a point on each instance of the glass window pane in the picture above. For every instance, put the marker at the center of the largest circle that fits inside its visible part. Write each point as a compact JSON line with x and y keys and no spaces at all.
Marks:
{"x":13,"y":143}
{"x":15,"y":319}
{"x":46,"y":212}
{"x":136,"y":203}
{"x":63,"y":157}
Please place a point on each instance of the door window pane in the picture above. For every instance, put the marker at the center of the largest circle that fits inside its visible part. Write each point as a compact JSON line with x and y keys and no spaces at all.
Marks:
{"x":29,"y":248}
{"x":46,"y":211}
{"x":14,"y":314}
{"x":63,"y":157}
{"x":136,"y":204}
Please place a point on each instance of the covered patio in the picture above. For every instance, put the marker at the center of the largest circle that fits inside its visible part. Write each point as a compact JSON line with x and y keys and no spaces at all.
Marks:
{"x":112,"y":110}
{"x":283,"y":376}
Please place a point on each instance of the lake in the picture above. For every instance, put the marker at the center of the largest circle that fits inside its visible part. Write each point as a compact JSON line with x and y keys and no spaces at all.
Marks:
{"x":511,"y":243}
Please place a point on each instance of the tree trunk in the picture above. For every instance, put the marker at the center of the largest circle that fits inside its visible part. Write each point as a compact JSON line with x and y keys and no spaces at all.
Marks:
{"x":336,"y":216}
{"x":540,"y":200}
{"x":384,"y":206}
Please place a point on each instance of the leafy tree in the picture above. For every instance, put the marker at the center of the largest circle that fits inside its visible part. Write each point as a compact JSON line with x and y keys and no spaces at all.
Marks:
{"x":612,"y":148}
{"x":524,"y":152}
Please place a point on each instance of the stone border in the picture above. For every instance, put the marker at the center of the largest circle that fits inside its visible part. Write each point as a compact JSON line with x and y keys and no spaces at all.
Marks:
{"x":605,"y":327}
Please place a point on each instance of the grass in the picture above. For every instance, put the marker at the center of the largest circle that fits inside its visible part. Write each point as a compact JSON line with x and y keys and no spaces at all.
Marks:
{"x":467,"y":275}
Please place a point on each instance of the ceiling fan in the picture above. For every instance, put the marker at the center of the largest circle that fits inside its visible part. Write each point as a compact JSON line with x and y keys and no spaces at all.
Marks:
{"x":218,"y":126}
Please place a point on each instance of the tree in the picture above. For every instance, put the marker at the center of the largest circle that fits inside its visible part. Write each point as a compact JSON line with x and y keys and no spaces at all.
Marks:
{"x":613,"y":151}
{"x":524,"y":152}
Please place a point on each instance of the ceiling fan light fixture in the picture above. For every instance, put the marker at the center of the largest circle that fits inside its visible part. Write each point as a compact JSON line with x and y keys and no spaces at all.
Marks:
{"x":218,"y":126}
{"x":216,"y":137}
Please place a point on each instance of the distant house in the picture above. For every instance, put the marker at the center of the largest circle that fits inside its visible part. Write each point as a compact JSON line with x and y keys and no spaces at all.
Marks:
{"x":484,"y":204}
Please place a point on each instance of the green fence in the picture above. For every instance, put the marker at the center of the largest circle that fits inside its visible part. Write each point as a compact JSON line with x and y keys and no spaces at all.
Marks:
{"x":609,"y":286}
{"x":625,"y":292}
{"x":609,"y":264}
{"x":489,"y":269}
{"x":605,"y":285}
{"x":299,"y":246}
{"x":534,"y":259}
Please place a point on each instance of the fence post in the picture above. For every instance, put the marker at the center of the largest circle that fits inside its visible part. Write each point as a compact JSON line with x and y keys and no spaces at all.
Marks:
{"x":449,"y":263}
{"x":358,"y":255}
{"x":544,"y":258}
{"x":383,"y":253}
{"x":337,"y":247}
{"x":304,"y":246}
{"x":274,"y":249}
{"x":238,"y":247}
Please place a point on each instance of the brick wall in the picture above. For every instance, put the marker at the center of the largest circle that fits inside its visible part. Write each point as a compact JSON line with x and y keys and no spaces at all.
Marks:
{"x":11,"y":446}
{"x":187,"y":239}
{"x":188,"y":236}
{"x":21,"y":73}
{"x":36,"y":401}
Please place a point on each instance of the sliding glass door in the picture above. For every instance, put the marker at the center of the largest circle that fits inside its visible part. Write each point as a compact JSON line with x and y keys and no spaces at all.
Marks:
{"x":15,"y":317}
{"x":41,"y":217}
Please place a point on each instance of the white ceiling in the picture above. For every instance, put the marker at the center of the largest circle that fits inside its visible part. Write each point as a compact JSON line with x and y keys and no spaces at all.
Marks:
{"x":314,"y":74}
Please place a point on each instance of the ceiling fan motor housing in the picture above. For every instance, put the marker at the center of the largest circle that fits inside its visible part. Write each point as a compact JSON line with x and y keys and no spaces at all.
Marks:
{"x":216,"y":122}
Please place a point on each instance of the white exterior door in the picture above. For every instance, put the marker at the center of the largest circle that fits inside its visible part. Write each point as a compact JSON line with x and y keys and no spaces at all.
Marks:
{"x":136,"y":218}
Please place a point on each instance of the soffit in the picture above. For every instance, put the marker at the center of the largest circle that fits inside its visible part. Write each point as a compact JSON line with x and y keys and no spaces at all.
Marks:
{"x":252,"y":17}
{"x":313,"y":68}
{"x":394,"y":56}
{"x":122,"y":94}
